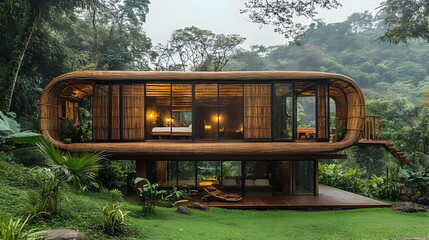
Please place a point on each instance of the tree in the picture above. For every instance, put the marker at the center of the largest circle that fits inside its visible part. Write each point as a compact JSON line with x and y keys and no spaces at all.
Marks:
{"x":407,"y":19}
{"x":196,"y":49}
{"x":35,"y":12}
{"x":281,"y":13}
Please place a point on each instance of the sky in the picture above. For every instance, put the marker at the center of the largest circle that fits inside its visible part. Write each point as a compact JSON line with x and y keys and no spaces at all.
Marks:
{"x":222,"y":16}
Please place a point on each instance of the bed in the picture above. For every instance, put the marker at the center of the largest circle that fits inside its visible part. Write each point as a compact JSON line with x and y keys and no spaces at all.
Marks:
{"x":175,"y":131}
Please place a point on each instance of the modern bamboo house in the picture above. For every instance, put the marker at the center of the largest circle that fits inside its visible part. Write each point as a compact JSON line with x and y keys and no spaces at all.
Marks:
{"x":239,"y":130}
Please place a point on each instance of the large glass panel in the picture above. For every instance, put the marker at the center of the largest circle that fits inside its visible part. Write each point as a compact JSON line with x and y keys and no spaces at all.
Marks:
{"x":182,"y":111}
{"x":283,"y":111}
{"x":231,"y":180}
{"x":158,"y":111}
{"x":186,"y":174}
{"x":283,"y":178}
{"x":162,"y":172}
{"x":208,"y":173}
{"x":206,"y":111}
{"x":231,"y":111}
{"x":100,"y":112}
{"x":304,"y":177}
{"x":306,"y":110}
{"x":257,"y":111}
{"x":258,"y":178}
{"x":133,"y":111}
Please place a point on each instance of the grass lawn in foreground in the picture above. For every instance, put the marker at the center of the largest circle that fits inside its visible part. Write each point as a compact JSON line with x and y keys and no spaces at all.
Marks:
{"x":83,"y":210}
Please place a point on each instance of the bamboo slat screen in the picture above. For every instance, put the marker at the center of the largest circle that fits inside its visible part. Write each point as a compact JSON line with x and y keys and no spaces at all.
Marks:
{"x":257,"y":111}
{"x":116,"y":117}
{"x":133,"y":102}
{"x":100,"y":111}
{"x":71,"y":110}
{"x":322,"y":110}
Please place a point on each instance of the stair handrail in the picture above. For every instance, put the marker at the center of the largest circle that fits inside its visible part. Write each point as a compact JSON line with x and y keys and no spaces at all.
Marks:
{"x":372,"y":127}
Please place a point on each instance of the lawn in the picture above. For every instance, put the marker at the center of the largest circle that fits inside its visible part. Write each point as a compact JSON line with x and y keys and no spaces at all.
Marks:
{"x":81,"y":211}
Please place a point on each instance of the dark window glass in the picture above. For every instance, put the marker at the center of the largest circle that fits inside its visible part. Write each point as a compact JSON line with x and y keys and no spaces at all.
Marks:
{"x":206,"y":111}
{"x":304,"y":178}
{"x":283,"y":111}
{"x":231,"y":111}
{"x":208,"y":173}
{"x":258,"y":178}
{"x":186,"y":174}
{"x":231,"y":181}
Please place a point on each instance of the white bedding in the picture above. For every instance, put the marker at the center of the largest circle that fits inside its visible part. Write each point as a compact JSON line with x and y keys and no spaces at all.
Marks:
{"x":175,"y":129}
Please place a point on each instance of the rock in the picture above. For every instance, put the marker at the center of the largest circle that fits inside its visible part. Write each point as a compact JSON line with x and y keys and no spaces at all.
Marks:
{"x":414,"y":199}
{"x":63,"y":234}
{"x":404,"y":198}
{"x":423,"y":201}
{"x":183,"y":210}
{"x":201,"y":207}
{"x":409,"y":207}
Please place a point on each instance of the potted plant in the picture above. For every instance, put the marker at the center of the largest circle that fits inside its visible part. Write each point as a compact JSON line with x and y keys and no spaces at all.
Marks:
{"x":69,"y":130}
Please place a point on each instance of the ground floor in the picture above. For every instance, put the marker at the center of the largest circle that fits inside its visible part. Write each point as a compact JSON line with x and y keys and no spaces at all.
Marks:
{"x":328,"y":198}
{"x":247,"y":178}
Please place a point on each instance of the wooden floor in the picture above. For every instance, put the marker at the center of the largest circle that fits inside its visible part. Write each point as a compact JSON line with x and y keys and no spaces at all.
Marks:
{"x":329,"y":198}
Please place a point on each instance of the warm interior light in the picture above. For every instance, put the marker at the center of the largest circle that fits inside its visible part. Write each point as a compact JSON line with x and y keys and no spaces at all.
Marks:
{"x":207,"y":126}
{"x":305,"y":93}
{"x":151,"y":115}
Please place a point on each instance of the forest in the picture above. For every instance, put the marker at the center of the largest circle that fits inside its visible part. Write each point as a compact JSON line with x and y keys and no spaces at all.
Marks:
{"x":41,"y":40}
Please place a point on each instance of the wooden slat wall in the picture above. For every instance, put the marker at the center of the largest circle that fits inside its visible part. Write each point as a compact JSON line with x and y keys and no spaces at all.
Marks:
{"x":116,"y":133}
{"x":257,"y":111}
{"x":100,"y":112}
{"x":133,"y":107}
{"x":322,"y":111}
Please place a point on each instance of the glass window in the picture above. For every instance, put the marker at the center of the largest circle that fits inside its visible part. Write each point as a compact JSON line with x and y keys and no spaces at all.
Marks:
{"x":182,"y":111}
{"x":258,"y":178}
{"x":283,"y":111}
{"x":231,"y":111}
{"x":231,"y":180}
{"x":186,"y":174}
{"x":283,"y":178}
{"x":257,"y":111}
{"x":158,"y":111}
{"x":206,"y":111}
{"x":208,"y":172}
{"x":304,"y":177}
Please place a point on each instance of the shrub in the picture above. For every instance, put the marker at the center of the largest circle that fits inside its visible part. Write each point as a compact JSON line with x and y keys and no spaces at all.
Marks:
{"x":28,"y":157}
{"x":113,"y":218}
{"x":149,"y":195}
{"x":111,"y":175}
{"x":14,"y":230}
{"x":334,"y":175}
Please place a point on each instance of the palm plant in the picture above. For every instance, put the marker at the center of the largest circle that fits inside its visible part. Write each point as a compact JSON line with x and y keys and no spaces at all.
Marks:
{"x":79,"y":169}
{"x":14,"y":230}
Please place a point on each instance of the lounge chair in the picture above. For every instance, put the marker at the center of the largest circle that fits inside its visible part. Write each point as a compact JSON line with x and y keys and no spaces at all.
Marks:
{"x":216,"y":194}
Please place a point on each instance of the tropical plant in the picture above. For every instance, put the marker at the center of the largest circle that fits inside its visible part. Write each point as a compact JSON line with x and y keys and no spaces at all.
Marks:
{"x":45,"y":201}
{"x":115,"y":195}
{"x":174,"y":196}
{"x":70,"y":129}
{"x":10,"y":130}
{"x":80,"y":169}
{"x":14,"y":230}
{"x":113,"y":218}
{"x":149,"y":195}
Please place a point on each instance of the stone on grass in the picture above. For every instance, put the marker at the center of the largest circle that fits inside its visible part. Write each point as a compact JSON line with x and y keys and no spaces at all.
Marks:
{"x":409,"y":207}
{"x":404,"y":198}
{"x":201,"y":207}
{"x":183,"y":210}
{"x":423,"y":201}
{"x":63,"y":234}
{"x":414,"y":199}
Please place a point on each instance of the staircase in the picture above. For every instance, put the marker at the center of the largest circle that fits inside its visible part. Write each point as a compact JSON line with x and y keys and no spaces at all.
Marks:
{"x":371,"y":136}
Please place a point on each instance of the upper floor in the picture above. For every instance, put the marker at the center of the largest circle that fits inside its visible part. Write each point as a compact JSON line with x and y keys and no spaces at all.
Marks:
{"x":207,"y":113}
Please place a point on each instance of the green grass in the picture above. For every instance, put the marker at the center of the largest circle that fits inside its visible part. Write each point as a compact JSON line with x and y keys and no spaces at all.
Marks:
{"x":82,"y":212}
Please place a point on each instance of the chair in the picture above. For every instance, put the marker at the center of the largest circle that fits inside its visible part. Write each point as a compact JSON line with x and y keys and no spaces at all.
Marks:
{"x":215,"y":194}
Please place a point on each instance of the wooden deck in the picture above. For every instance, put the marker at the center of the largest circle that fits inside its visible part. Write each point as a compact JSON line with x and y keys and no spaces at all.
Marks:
{"x":329,"y":198}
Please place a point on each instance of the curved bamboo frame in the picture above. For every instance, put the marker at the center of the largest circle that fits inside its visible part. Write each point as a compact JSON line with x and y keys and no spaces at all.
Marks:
{"x":75,"y":86}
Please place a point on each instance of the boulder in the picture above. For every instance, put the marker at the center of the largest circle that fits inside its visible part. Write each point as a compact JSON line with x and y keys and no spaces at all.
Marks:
{"x":201,"y":207}
{"x":423,"y":201}
{"x":404,"y":198}
{"x":183,"y":210}
{"x":63,"y":234}
{"x":414,"y":199}
{"x":409,"y":207}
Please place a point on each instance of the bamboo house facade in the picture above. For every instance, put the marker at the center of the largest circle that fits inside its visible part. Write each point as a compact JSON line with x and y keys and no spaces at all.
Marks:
{"x":239,"y":130}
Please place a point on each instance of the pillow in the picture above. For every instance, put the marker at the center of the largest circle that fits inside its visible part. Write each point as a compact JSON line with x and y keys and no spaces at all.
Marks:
{"x":262,"y":182}
{"x":190,"y":126}
{"x":229,"y":182}
{"x":249,"y":182}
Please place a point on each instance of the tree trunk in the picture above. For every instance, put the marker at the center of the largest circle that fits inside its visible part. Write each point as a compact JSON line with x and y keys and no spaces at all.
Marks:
{"x":10,"y":89}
